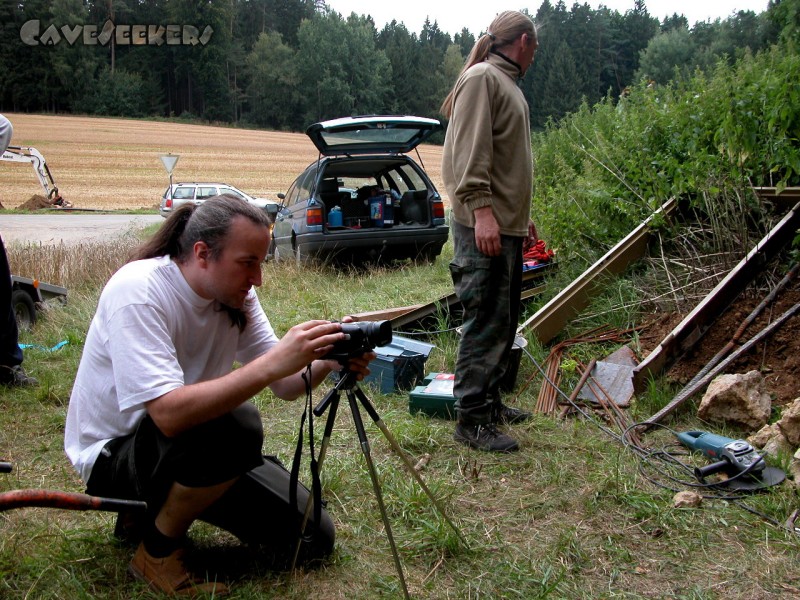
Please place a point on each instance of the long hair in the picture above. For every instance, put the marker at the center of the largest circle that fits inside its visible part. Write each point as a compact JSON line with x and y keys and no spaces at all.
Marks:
{"x":506,"y":28}
{"x":208,"y":222}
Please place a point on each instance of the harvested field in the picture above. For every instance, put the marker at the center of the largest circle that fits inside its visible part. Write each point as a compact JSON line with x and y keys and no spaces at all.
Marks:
{"x":113,"y":164}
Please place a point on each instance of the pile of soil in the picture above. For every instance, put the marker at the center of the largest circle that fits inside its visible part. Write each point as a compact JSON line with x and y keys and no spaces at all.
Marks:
{"x":777,"y":357}
{"x":36,"y":202}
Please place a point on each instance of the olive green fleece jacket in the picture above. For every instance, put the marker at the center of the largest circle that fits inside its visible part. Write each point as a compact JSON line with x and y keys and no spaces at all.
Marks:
{"x":487,"y":157}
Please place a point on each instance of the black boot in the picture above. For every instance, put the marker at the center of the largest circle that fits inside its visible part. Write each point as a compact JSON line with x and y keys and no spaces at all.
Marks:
{"x":507,"y":415}
{"x":485,"y":437}
{"x":16,"y":377}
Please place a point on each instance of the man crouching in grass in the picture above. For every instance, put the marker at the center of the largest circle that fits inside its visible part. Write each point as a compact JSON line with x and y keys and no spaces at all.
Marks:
{"x":157,"y":412}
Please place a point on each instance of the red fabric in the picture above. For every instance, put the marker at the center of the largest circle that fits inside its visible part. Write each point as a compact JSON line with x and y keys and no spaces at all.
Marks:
{"x":538,"y":252}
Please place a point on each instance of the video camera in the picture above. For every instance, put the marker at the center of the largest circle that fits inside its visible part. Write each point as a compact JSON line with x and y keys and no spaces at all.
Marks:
{"x":361,"y":337}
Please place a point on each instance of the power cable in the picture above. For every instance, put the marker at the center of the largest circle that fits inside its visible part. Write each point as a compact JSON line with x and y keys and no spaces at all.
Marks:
{"x":663,"y":455}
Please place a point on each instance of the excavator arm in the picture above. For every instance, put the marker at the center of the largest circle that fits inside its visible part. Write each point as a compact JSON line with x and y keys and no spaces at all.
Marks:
{"x":32,"y":156}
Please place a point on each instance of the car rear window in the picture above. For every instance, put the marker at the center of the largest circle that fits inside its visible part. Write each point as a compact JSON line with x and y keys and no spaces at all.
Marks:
{"x":377,"y":136}
{"x":183,"y":193}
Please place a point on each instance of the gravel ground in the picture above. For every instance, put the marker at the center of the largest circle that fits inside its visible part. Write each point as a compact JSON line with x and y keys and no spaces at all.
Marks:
{"x":69,"y":227}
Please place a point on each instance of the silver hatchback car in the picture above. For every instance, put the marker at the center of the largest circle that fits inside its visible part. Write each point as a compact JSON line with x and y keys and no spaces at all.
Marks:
{"x":181,"y":193}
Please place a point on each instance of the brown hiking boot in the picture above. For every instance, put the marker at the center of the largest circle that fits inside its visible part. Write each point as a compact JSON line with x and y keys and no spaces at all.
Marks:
{"x":170,"y":576}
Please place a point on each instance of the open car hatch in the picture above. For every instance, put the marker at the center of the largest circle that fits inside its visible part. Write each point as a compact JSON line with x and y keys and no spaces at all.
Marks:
{"x":371,"y":135}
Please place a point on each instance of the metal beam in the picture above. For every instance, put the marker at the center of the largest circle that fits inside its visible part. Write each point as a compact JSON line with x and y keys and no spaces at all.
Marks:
{"x":549,"y":320}
{"x":696,"y":323}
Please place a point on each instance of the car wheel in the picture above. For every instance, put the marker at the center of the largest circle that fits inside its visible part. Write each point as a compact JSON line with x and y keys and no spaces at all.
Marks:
{"x":24,"y":309}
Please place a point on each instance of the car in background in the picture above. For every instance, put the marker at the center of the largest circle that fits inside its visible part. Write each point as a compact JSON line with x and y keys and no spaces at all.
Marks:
{"x":364,"y":198}
{"x":181,"y":193}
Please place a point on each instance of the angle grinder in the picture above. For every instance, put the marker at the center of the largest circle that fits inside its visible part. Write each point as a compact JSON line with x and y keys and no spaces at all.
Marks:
{"x":745,"y":468}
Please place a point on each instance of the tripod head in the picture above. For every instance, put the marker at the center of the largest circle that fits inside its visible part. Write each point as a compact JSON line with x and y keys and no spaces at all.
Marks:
{"x":347,"y":381}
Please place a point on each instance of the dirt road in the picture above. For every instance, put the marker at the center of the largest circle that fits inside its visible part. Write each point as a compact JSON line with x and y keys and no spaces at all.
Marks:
{"x":69,"y":227}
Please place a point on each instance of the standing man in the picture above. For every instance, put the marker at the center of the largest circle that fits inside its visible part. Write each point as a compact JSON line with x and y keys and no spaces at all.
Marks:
{"x":487,"y":171}
{"x":157,"y":411}
{"x":11,"y":371}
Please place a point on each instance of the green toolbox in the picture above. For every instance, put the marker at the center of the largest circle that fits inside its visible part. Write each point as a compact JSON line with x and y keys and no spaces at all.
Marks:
{"x":434,"y":397}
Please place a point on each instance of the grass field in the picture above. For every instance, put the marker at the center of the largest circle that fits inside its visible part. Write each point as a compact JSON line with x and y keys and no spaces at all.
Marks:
{"x":575,"y":514}
{"x":113,"y":164}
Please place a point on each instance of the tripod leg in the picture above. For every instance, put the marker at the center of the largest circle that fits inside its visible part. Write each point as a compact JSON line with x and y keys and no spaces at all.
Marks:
{"x":333,"y":403}
{"x":376,"y":486}
{"x":404,"y":458}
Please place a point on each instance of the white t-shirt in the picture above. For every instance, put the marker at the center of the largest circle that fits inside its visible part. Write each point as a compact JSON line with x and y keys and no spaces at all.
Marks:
{"x":151,"y":334}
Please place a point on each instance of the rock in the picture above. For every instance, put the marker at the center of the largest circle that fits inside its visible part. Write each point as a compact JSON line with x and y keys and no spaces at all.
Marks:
{"x":737,"y":400}
{"x":771,"y":440}
{"x":789,"y":423}
{"x":794,"y":468}
{"x":762,"y":437}
{"x":777,"y":445}
{"x":686,"y":500}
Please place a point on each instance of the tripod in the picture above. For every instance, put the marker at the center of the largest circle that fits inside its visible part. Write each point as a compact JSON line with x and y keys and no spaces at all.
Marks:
{"x":355,"y":395}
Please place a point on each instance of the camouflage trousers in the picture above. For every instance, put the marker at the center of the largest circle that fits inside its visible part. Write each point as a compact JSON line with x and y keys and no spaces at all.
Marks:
{"x":489,"y":289}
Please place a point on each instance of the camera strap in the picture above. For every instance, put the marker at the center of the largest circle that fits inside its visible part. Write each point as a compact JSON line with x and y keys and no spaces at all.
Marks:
{"x":294,"y":475}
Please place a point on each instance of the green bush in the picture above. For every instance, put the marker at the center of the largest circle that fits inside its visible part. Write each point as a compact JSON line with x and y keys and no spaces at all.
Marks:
{"x":605,"y":168}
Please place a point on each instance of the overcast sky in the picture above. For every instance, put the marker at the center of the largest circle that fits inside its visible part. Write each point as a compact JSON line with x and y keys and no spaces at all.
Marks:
{"x":453,"y":15}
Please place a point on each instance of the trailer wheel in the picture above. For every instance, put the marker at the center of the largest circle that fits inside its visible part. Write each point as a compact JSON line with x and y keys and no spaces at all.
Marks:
{"x":24,"y":309}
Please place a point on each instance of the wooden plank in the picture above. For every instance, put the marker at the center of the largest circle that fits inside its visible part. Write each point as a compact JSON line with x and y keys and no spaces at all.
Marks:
{"x":785,"y":199}
{"x":772,"y":193}
{"x":531,"y":292}
{"x":696,"y":323}
{"x":549,"y":320}
{"x":385,"y":314}
{"x":426,"y":310}
{"x":406,"y":315}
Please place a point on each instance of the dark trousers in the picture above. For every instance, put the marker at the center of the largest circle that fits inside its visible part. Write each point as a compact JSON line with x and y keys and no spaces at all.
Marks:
{"x":10,"y":352}
{"x":489,"y":288}
{"x":145,"y":464}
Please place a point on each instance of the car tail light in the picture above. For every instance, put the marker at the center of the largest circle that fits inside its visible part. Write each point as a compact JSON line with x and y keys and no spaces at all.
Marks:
{"x":438,"y":209}
{"x":168,"y":203}
{"x":313,"y":216}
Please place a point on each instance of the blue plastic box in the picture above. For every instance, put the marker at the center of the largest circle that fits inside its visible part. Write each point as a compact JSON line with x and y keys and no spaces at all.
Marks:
{"x":399,"y":365}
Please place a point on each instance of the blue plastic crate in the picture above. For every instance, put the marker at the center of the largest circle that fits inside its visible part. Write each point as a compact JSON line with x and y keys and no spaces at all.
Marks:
{"x":399,"y":365}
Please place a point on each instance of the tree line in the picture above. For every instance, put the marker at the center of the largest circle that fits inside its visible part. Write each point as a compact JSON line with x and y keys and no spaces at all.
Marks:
{"x":284,"y":64}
